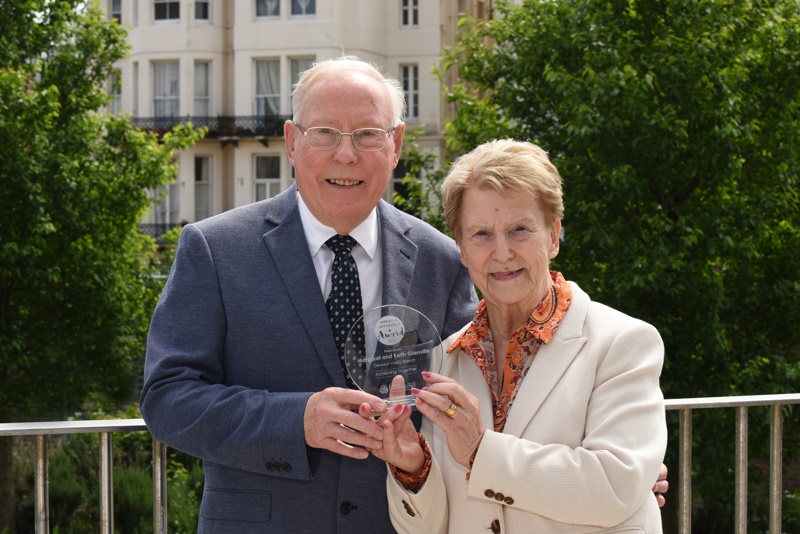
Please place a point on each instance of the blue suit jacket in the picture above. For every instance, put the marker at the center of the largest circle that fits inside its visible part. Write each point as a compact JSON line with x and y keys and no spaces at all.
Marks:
{"x":240,"y":339}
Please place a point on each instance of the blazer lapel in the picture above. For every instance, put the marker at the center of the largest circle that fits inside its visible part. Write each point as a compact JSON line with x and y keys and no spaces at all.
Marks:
{"x":549,"y":365}
{"x":287,"y":245}
{"x":399,"y":256}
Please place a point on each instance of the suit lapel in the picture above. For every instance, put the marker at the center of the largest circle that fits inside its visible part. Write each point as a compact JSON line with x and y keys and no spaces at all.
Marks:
{"x":549,"y":365}
{"x":287,"y":245}
{"x":399,"y":256}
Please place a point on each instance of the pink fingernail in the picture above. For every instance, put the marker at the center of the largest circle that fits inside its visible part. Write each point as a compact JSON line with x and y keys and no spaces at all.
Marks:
{"x":414,"y":391}
{"x":398,"y":408}
{"x":426,"y":374}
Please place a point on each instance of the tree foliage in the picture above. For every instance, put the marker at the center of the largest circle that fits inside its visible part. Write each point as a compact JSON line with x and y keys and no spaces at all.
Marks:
{"x":676,"y":127}
{"x":74,"y":278}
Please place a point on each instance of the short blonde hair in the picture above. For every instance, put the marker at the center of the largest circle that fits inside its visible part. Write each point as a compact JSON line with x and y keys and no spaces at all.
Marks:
{"x":504,"y":165}
{"x":338,"y":67}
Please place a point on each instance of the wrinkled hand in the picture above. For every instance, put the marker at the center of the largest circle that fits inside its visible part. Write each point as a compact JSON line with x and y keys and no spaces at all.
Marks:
{"x":661,"y":486}
{"x":330,"y":423}
{"x":401,"y":446}
{"x":464,"y":429}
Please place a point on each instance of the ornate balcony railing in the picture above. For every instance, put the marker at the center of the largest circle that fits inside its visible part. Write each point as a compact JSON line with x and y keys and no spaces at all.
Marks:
{"x":223,"y":128}
{"x":105,"y":429}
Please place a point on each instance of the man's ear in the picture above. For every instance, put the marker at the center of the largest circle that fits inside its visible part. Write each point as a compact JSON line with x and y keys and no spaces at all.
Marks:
{"x":288,"y":137}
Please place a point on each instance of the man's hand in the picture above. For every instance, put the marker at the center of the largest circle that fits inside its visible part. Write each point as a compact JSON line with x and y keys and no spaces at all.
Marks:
{"x":330,"y":423}
{"x":661,"y":486}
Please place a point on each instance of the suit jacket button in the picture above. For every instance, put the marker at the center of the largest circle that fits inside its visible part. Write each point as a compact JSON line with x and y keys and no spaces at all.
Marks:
{"x":499,"y":497}
{"x":489,"y":493}
{"x":270,"y":466}
{"x":495,"y":528}
{"x":347,"y":507}
{"x":508,"y":500}
{"x":286,"y":467}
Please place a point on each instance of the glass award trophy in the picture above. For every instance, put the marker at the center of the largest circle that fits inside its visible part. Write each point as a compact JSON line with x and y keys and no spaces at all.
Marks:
{"x":389,"y":343}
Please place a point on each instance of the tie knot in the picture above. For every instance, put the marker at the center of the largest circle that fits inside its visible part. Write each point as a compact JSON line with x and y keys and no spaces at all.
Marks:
{"x":341,"y":244}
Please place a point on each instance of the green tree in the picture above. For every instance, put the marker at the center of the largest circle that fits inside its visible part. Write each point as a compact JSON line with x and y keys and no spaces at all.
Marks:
{"x":75,"y":290}
{"x":676,"y":127}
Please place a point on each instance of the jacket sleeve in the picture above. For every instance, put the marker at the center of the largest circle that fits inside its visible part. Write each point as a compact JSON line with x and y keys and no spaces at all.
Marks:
{"x":185,"y":400}
{"x":605,"y":479}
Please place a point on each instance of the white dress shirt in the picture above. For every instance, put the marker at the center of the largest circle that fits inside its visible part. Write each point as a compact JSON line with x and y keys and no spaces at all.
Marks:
{"x":368,"y":254}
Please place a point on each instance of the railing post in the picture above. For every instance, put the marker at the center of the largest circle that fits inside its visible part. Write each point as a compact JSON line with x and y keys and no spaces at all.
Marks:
{"x":106,"y":483}
{"x":685,"y":475}
{"x":41,"y":485}
{"x":159,"y":488}
{"x":741,"y":469}
{"x":776,"y":469}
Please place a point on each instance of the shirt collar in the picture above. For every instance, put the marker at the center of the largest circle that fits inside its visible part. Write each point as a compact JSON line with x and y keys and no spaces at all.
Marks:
{"x":541,"y":325}
{"x":366,"y":233}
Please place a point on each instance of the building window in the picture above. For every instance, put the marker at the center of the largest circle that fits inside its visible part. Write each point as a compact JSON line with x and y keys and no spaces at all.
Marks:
{"x":115,"y":106}
{"x":304,"y":7}
{"x":167,"y":204}
{"x":409,"y":14}
{"x":268,"y":88}
{"x":296,"y":66}
{"x":167,"y":10}
{"x":202,"y":188}
{"x":268,"y":8}
{"x":268,"y":177}
{"x":409,"y":75}
{"x":202,"y":10}
{"x":398,"y":174}
{"x":202,"y":94}
{"x":116,"y":10}
{"x":166,"y":98}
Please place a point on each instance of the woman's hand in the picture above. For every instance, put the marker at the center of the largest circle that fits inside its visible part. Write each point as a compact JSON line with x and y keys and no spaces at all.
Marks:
{"x":462,"y":428}
{"x":401,"y":446}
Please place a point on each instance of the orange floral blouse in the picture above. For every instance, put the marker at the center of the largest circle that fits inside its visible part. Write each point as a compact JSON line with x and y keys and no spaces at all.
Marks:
{"x":525,"y":342}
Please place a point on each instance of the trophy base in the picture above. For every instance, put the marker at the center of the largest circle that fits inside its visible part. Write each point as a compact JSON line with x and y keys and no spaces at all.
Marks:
{"x":406,"y":400}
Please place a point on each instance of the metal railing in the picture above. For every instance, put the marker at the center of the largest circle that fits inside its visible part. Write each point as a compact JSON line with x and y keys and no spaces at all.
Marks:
{"x":776,"y":402}
{"x":106,"y":428}
{"x":219,"y":127}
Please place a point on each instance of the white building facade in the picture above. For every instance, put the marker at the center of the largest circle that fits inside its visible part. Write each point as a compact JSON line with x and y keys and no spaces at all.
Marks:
{"x":230,"y":65}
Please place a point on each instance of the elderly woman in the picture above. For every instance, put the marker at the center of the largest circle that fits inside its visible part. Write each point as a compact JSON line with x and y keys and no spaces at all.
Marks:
{"x":548,"y":416}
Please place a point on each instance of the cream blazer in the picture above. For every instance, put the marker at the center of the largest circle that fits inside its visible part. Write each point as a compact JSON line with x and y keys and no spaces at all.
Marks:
{"x":582,"y":445}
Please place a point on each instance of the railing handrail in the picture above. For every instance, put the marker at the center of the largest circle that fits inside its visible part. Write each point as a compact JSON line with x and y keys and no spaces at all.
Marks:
{"x":732,"y":402}
{"x":106,"y":427}
{"x":71,"y":427}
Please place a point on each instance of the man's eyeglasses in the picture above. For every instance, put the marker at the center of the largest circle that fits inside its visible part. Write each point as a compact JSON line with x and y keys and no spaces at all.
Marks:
{"x":364,"y":139}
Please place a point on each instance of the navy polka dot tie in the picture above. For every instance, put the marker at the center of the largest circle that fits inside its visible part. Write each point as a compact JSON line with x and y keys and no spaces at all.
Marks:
{"x":344,"y":303}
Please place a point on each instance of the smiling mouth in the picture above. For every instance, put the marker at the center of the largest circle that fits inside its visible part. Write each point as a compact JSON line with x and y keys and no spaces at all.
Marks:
{"x":505,"y":275}
{"x":346,"y":183}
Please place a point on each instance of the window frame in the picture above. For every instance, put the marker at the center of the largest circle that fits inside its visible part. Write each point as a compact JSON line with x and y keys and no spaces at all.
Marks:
{"x":177,"y":95}
{"x":276,"y":16}
{"x":409,"y":14}
{"x":266,"y":181}
{"x":311,"y":3}
{"x":266,"y":96}
{"x":410,"y":89}
{"x":207,"y":98}
{"x":169,"y":4}
{"x":208,"y":186}
{"x":207,"y":3}
{"x":115,"y":10}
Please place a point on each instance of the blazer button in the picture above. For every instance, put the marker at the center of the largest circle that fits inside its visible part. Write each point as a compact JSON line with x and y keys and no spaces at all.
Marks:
{"x":499,"y":497}
{"x":347,"y":507}
{"x":508,"y":500}
{"x":286,"y":467}
{"x":489,"y":493}
{"x":495,"y":528}
{"x":270,"y":466}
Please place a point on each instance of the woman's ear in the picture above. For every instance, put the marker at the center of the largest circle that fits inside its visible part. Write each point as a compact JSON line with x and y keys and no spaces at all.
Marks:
{"x":555,"y":239}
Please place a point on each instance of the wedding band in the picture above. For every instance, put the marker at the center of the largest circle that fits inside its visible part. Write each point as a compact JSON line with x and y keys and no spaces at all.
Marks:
{"x":451,"y":410}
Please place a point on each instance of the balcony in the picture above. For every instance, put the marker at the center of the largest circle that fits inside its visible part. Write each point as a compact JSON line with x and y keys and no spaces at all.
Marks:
{"x":226,"y":129}
{"x":106,"y":428}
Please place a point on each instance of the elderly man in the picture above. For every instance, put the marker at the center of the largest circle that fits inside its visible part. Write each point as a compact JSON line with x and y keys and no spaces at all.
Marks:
{"x":243,"y":369}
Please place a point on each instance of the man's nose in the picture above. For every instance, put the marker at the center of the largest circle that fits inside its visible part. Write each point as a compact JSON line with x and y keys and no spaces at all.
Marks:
{"x":346,"y":151}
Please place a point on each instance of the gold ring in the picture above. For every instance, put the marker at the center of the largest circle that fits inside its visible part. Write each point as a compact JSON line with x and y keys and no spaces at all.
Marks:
{"x":451,"y":410}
